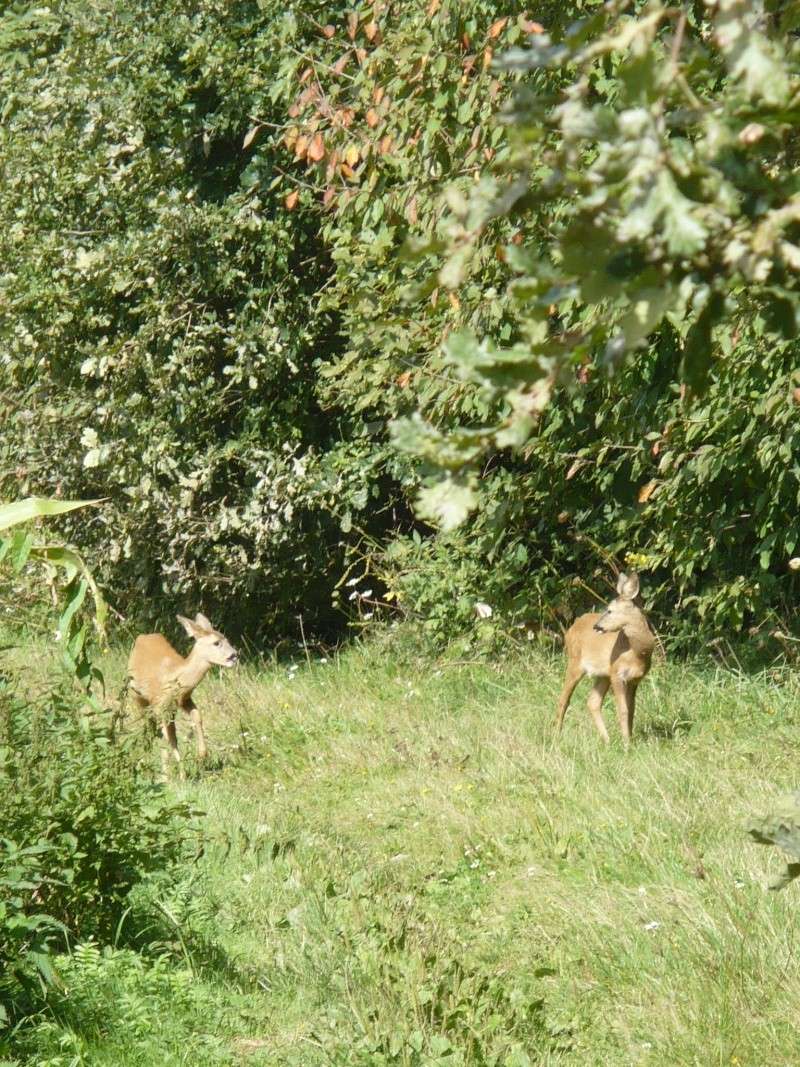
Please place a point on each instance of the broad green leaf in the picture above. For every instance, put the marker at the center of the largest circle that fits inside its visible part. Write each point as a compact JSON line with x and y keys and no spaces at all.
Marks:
{"x":37,"y":507}
{"x":447,"y":503}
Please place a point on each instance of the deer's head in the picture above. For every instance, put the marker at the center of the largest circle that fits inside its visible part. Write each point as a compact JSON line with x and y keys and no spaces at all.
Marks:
{"x":210,"y":644}
{"x":622,"y":610}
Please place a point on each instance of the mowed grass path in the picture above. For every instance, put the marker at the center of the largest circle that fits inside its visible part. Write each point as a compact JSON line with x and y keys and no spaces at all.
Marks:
{"x":420,"y":873}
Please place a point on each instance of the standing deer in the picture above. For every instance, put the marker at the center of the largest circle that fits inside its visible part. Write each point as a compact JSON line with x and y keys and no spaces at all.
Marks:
{"x":614,"y":648}
{"x":161,"y":680}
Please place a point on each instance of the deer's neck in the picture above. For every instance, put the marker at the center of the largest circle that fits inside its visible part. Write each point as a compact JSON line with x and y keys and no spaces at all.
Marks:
{"x":193,"y":670}
{"x":640,"y":637}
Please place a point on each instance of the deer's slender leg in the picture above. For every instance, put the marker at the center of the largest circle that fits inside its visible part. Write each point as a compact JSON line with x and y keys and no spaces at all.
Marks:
{"x":574,"y":675}
{"x":170,"y":746}
{"x":623,"y":698}
{"x":197,"y":725}
{"x":594,"y":704}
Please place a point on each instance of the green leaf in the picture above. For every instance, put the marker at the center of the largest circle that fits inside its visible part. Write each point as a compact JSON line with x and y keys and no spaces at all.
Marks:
{"x":447,"y":503}
{"x":37,"y":507}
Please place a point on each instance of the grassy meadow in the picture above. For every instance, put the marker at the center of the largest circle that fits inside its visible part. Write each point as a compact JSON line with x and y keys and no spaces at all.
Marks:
{"x":402,"y":866}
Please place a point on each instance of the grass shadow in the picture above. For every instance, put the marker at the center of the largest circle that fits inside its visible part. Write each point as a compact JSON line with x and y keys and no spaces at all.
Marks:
{"x":664,"y":729}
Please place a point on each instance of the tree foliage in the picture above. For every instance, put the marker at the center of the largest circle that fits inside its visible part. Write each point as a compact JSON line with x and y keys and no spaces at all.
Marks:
{"x":158,"y":321}
{"x":302,"y":290}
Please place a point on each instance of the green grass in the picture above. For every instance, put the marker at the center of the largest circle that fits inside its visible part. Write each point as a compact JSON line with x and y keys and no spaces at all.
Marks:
{"x":403,"y":866}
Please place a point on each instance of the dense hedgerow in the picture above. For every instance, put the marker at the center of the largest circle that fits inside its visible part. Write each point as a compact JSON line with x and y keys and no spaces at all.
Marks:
{"x":267,"y":269}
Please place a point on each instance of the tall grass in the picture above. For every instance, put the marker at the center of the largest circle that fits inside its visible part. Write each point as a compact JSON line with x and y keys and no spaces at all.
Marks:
{"x":403,"y":866}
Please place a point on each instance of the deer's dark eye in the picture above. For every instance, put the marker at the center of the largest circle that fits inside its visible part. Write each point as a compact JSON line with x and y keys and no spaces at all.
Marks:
{"x":217,"y":643}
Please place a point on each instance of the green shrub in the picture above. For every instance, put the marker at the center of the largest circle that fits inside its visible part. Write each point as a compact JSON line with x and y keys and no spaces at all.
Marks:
{"x":81,"y":829}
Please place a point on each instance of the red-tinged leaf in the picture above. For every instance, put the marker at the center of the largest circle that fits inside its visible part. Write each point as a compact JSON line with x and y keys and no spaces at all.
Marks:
{"x":385,"y":145}
{"x":500,"y":253}
{"x":404,"y":378}
{"x":378,"y":94}
{"x":497,"y":27}
{"x":488,"y":154}
{"x":301,"y":147}
{"x":361,"y":55}
{"x":291,"y":200}
{"x":341,"y":63}
{"x":316,"y":150}
{"x":796,"y":395}
{"x":372,"y":118}
{"x":328,"y":31}
{"x":352,"y":25}
{"x":465,"y":41}
{"x":306,"y":74}
{"x":333,"y":163}
{"x":371,"y":30}
{"x":294,"y":110}
{"x":468,"y":62}
{"x":647,"y":491}
{"x":656,"y":448}
{"x":488,"y":55}
{"x":251,"y":135}
{"x":328,"y":196}
{"x":531,"y":27}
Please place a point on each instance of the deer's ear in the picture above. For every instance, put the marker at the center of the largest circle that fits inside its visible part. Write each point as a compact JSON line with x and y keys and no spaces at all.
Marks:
{"x":628,"y":585}
{"x":190,"y":627}
{"x":201,"y":620}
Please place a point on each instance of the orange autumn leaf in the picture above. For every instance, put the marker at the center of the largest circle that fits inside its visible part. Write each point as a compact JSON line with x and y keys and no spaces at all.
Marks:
{"x":497,"y":27}
{"x":328,"y":196}
{"x":316,"y":150}
{"x":341,"y":63}
{"x":371,"y":30}
{"x":385,"y":145}
{"x":372,"y":118}
{"x":433,"y":7}
{"x":403,"y":379}
{"x":301,"y":147}
{"x":352,"y":25}
{"x":532,"y":27}
{"x":647,"y":491}
{"x":291,"y":200}
{"x":378,"y":93}
{"x":329,"y":31}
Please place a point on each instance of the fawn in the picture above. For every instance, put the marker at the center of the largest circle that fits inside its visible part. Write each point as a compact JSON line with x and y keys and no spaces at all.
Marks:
{"x":614,"y":648}
{"x":161,"y":680}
